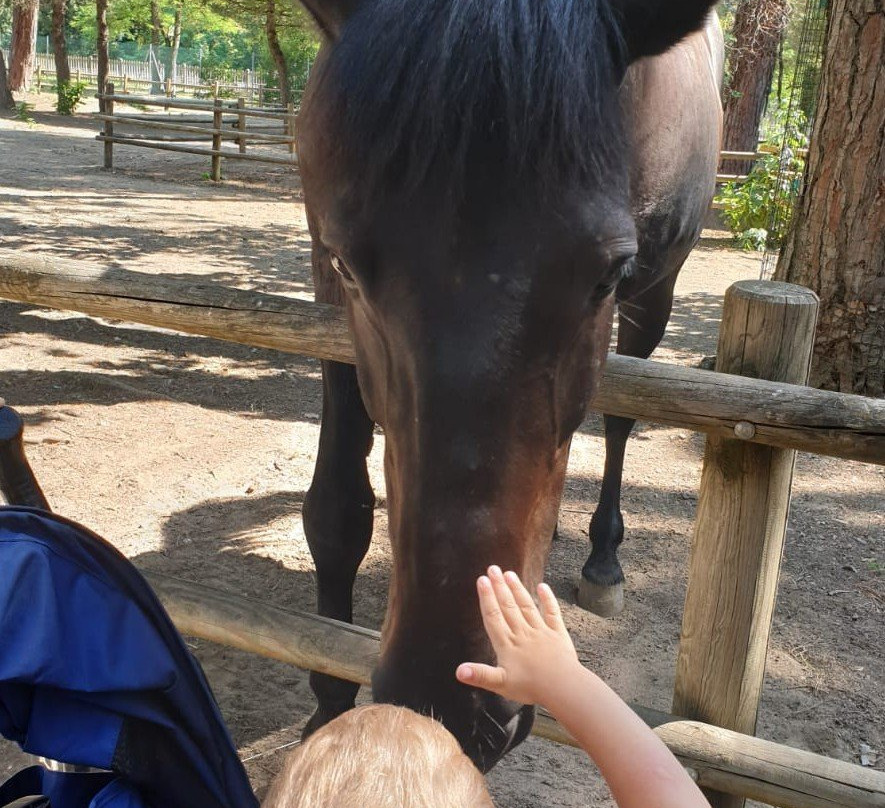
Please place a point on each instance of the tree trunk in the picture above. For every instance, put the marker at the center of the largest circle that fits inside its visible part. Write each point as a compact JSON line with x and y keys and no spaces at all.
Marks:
{"x":156,"y":41}
{"x":7,"y":102}
{"x":758,"y":29}
{"x":59,"y":46}
{"x":276,"y":51}
{"x":172,"y":59}
{"x":101,"y":45}
{"x":838,"y":244}
{"x":23,"y":50}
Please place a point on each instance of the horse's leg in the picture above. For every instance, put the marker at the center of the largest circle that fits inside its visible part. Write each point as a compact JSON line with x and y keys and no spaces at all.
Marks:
{"x":642,"y":320}
{"x":338,"y":514}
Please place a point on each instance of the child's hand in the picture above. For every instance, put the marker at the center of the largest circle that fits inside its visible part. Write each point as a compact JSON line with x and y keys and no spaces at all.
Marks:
{"x":533,"y":647}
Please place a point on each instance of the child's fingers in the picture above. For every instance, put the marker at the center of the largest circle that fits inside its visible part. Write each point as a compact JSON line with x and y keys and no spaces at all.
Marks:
{"x":523,"y":599}
{"x":492,"y":617}
{"x":504,"y":596}
{"x":550,"y":607}
{"x":484,"y":676}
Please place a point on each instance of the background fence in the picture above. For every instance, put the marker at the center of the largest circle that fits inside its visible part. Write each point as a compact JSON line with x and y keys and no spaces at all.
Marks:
{"x":150,"y":74}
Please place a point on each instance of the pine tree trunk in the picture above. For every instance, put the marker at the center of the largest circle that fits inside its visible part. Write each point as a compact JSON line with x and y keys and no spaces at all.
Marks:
{"x":837,"y":247}
{"x":59,"y":46}
{"x":23,"y":50}
{"x":7,"y":102}
{"x":101,"y":45}
{"x":758,"y":29}
{"x":276,"y":51}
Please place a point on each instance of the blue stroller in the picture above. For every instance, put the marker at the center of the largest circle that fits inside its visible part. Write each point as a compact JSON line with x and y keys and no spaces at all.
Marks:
{"x":93,"y":672}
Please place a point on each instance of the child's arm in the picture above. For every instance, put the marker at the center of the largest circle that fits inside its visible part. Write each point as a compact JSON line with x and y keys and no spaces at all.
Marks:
{"x":537,"y":664}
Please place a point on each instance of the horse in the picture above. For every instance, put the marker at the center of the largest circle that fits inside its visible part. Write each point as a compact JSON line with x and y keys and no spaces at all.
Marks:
{"x":482,"y":184}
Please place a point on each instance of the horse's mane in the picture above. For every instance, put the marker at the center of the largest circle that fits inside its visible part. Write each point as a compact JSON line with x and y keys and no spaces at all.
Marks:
{"x":413,"y":86}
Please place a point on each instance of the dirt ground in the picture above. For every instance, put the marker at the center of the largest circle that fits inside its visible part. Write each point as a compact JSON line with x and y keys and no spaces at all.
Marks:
{"x":193,"y":457}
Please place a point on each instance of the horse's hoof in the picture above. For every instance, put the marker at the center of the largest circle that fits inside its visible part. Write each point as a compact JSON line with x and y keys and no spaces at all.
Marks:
{"x":605,"y":601}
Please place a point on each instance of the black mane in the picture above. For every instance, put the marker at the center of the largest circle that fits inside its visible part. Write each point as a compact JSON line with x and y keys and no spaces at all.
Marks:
{"x":414,"y":86}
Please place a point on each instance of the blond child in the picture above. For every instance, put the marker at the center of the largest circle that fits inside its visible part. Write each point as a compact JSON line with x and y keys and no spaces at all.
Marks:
{"x":379,"y":756}
{"x":390,"y":757}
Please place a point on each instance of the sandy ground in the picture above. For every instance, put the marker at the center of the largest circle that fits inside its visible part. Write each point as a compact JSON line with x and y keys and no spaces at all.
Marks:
{"x":193,"y":457}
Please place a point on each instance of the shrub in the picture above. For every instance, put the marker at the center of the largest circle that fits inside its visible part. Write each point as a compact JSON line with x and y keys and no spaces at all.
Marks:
{"x":70,"y":94}
{"x":759,"y":210}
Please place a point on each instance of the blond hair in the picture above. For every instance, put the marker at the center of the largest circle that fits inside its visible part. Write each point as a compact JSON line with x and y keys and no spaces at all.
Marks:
{"x":379,"y":756}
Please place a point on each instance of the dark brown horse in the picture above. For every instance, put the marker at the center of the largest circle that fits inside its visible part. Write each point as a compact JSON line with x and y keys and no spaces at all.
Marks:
{"x":467,"y":171}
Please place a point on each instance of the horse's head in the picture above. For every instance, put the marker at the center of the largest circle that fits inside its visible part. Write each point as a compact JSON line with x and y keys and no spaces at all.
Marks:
{"x":466,"y":176}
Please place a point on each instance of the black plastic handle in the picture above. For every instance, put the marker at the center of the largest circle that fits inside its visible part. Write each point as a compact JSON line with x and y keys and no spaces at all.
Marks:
{"x":18,"y":484}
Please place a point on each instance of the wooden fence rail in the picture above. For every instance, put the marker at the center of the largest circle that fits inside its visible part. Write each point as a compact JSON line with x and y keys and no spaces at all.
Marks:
{"x":722,"y":760}
{"x":784,"y":415}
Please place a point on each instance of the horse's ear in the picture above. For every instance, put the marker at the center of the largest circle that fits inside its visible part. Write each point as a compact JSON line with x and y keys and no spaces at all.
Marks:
{"x":650,"y":27}
{"x":330,"y":15}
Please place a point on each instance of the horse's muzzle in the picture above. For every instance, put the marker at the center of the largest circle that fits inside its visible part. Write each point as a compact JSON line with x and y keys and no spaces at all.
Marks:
{"x":486,"y":726}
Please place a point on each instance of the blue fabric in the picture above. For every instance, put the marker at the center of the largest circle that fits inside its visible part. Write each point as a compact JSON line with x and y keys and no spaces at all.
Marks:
{"x":71,"y":790}
{"x":93,"y":672}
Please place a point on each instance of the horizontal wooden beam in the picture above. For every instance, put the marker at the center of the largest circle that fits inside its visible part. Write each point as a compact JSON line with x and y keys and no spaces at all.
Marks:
{"x":788,"y":416}
{"x":125,"y":140}
{"x":727,"y":761}
{"x":178,"y":103}
{"x":172,"y":126}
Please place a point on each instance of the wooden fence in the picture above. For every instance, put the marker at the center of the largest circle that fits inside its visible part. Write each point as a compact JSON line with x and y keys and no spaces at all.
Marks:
{"x":753,"y":426}
{"x":230,"y":121}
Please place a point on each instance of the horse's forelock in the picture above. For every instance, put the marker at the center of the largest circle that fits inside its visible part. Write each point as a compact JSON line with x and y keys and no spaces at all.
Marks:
{"x":412,"y":85}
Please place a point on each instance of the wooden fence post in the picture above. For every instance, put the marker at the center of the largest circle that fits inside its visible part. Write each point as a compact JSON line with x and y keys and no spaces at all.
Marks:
{"x":217,"y":123}
{"x":108,"y":109}
{"x":767,"y":332}
{"x":39,"y":77}
{"x":216,"y":89}
{"x":241,"y":125}
{"x":169,"y":87}
{"x":125,"y":83}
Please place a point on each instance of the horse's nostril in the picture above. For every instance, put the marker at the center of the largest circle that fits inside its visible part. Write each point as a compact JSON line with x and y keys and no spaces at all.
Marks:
{"x":493,"y":739}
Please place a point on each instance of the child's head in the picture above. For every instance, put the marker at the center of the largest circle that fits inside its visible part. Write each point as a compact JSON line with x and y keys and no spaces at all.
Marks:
{"x":381,"y":756}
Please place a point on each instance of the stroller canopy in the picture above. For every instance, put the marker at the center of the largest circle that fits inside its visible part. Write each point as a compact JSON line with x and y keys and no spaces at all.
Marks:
{"x":93,"y":672}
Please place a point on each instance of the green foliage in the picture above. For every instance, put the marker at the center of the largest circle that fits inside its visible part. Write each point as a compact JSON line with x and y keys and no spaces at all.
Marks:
{"x":70,"y":94}
{"x":23,"y":113}
{"x":759,"y":210}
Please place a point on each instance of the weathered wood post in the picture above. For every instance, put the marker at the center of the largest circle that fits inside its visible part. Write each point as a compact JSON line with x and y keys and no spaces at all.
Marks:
{"x":290,"y":126}
{"x":217,"y":123}
{"x":241,"y":124}
{"x":767,"y":332}
{"x":108,"y":109}
{"x":125,"y":83}
{"x":39,"y":77}
{"x":216,"y":89}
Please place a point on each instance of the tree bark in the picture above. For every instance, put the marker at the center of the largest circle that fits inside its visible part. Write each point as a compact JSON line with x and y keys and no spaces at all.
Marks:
{"x":837,"y":247}
{"x":157,"y":39}
{"x":276,"y":51}
{"x":172,"y":58}
{"x":22,"y":51}
{"x":59,"y":46}
{"x":7,"y":102}
{"x":101,"y":45}
{"x":758,"y":29}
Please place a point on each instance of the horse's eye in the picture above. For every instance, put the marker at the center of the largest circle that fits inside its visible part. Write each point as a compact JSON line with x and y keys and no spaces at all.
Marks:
{"x":340,"y":267}
{"x":622,"y":268}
